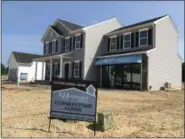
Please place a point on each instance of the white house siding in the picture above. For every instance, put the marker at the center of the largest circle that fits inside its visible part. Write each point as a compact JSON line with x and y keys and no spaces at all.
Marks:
{"x":40,"y":73}
{"x":12,"y":64}
{"x":93,"y":43}
{"x":164,"y":64}
{"x":31,"y":71}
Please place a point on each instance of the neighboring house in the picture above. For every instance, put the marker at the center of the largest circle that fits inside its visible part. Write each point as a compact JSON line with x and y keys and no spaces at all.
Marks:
{"x":23,"y":68}
{"x":140,"y":56}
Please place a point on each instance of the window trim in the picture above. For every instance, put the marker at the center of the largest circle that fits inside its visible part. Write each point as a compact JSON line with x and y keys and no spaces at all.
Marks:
{"x":68,"y":44}
{"x":124,"y":34}
{"x":76,"y":35}
{"x":141,"y":30}
{"x":111,"y":37}
{"x":77,"y":61}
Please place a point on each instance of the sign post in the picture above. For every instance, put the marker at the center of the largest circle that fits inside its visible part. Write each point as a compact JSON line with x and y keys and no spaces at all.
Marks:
{"x":73,"y":100}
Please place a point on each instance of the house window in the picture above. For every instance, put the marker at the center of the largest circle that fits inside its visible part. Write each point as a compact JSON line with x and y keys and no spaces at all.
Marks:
{"x":67,"y":44}
{"x":113,"y":43}
{"x":143,"y":37}
{"x":77,"y":41}
{"x":47,"y":47}
{"x":127,"y":40}
{"x":77,"y":69}
{"x":53,"y":46}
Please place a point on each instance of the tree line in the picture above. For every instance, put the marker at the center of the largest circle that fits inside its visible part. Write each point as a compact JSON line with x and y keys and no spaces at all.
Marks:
{"x":4,"y":70}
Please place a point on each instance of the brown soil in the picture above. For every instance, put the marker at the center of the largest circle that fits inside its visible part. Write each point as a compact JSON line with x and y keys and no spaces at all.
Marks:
{"x":25,"y":113}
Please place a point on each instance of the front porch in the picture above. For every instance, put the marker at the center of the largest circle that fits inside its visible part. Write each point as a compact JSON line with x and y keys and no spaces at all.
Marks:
{"x":54,"y":66}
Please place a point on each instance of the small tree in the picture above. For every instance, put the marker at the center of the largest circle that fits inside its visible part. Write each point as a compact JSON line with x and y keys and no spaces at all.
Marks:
{"x":2,"y":69}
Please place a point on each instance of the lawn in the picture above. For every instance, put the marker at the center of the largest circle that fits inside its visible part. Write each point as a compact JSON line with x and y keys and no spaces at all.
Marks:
{"x":25,"y":112}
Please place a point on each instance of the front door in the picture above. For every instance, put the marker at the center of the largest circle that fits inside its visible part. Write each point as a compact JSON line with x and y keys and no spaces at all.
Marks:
{"x":66,"y":71}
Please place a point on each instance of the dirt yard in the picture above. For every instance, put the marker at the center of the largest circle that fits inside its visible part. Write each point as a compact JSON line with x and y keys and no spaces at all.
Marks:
{"x":25,"y":113}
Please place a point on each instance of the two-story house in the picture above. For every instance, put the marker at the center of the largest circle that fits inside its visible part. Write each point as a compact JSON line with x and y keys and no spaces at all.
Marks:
{"x":70,"y":50}
{"x":140,"y":56}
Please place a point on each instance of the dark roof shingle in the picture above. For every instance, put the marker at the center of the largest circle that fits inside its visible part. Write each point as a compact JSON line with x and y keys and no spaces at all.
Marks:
{"x":139,"y":23}
{"x":24,"y":57}
{"x":70,"y":26}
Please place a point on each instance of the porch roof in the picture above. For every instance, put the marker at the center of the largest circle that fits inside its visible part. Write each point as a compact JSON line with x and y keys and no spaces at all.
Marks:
{"x":55,"y":56}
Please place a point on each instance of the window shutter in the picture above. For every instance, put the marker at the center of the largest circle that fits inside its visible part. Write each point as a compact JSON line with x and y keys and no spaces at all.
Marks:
{"x":137,"y":39}
{"x":44,"y":48}
{"x":132,"y":39}
{"x":121,"y":47}
{"x":72,"y":69}
{"x":117,"y":42}
{"x":56,"y":46}
{"x":74,"y":42}
{"x":50,"y":47}
{"x":108,"y":44}
{"x":81,"y":41}
{"x":70,"y":45}
{"x":80,"y":74}
{"x":150,"y":36}
{"x":63,"y":45}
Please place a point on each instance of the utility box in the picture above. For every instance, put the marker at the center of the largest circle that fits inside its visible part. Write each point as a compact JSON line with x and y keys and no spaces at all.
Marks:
{"x":105,"y":120}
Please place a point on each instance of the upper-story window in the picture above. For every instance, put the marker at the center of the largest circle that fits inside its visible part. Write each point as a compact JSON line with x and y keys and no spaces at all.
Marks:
{"x":127,"y":40}
{"x":76,"y":68}
{"x":113,"y":43}
{"x":47,"y":48}
{"x":77,"y":41}
{"x":53,"y":46}
{"x":143,"y":37}
{"x":67,"y":44}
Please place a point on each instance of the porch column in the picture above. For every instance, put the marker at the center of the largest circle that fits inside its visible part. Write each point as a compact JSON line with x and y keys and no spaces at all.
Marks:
{"x":61,"y":66}
{"x":36,"y":70}
{"x":51,"y":69}
{"x":42,"y":71}
{"x":141,"y":72}
{"x":100,"y":75}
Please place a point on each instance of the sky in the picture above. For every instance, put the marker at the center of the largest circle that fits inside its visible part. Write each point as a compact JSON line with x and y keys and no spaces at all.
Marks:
{"x":24,"y":23}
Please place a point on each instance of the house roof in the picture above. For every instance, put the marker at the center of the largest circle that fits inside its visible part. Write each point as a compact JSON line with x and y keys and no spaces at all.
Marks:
{"x":56,"y":30}
{"x":24,"y":57}
{"x":69,"y":25}
{"x":138,"y":24}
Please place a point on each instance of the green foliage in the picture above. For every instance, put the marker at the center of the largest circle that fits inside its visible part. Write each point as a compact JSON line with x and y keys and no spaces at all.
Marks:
{"x":4,"y":70}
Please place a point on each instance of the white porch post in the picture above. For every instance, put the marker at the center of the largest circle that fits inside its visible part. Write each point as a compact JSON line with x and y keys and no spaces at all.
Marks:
{"x":61,"y":66}
{"x":141,"y":83}
{"x":36,"y":70}
{"x":51,"y":69}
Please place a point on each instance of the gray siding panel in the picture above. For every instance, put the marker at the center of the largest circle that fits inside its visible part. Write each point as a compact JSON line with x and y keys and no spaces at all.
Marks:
{"x":164,"y":64}
{"x":96,"y":45}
